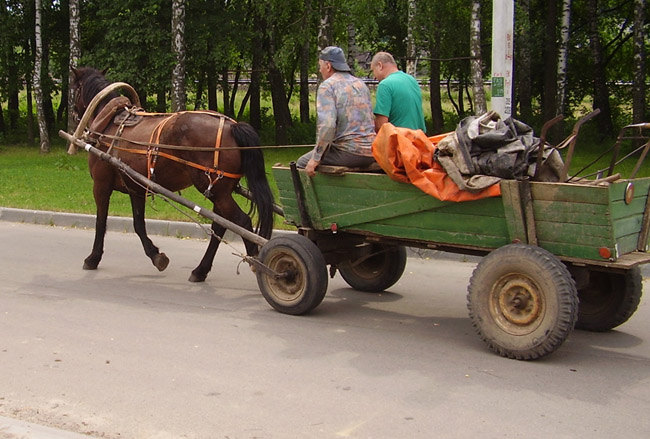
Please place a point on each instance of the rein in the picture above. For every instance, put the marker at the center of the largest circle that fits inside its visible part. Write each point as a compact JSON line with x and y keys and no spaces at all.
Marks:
{"x":153,"y":146}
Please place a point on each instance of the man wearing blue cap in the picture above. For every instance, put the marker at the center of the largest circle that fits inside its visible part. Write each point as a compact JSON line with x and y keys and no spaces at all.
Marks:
{"x":345,"y":122}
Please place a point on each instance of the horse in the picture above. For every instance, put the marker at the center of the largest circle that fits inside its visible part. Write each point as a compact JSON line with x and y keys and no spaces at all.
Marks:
{"x":176,"y":150}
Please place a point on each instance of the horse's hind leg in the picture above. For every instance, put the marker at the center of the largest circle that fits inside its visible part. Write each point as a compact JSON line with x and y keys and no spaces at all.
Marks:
{"x":201,"y":271}
{"x":231,"y":211}
{"x":160,"y":260}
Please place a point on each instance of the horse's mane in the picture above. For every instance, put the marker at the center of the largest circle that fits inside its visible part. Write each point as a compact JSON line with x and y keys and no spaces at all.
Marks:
{"x":92,"y":81}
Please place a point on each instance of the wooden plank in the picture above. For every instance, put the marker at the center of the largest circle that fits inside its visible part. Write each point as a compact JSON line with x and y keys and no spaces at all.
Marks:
{"x":442,"y":221}
{"x":370,"y":214}
{"x":627,"y":226}
{"x":579,"y":213}
{"x":513,"y":211}
{"x":436,"y":236}
{"x":570,"y":192}
{"x":567,"y":232}
{"x":574,"y":250}
{"x":311,"y":201}
{"x":643,"y":242}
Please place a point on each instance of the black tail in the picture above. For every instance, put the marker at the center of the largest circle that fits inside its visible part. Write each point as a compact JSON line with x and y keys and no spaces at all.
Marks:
{"x":255,"y":173}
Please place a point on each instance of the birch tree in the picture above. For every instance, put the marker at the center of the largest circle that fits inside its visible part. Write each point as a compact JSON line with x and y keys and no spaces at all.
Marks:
{"x":410,"y":39}
{"x":639,"y":86}
{"x":38,"y":87}
{"x":562,"y":57}
{"x":480,"y":105}
{"x":75,"y":54}
{"x":178,"y":47}
{"x":523,"y":60}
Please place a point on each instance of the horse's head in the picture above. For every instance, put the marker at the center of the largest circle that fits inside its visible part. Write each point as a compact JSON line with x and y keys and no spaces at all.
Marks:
{"x":87,"y":82}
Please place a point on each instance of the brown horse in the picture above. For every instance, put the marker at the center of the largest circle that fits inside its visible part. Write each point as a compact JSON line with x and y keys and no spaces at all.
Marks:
{"x":211,"y":153}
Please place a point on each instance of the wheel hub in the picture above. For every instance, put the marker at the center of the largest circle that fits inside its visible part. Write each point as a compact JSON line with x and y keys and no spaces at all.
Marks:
{"x":516,"y":303}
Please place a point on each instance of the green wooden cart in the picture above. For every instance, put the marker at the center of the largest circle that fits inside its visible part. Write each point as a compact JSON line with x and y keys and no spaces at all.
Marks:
{"x":556,"y":255}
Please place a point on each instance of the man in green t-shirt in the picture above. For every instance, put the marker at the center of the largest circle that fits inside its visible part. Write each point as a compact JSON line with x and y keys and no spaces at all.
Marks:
{"x":399,"y":98}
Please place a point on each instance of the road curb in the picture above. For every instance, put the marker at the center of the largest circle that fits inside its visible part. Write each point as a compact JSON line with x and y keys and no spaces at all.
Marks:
{"x":178,"y":229}
{"x":11,"y":428}
{"x":181,"y":229}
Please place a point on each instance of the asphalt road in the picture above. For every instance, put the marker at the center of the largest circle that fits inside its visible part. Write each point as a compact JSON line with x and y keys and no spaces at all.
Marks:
{"x":128,"y":352}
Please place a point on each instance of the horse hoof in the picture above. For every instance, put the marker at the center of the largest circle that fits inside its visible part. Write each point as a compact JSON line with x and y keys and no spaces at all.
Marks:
{"x":90,"y":265}
{"x":196,"y":278}
{"x":160,"y":261}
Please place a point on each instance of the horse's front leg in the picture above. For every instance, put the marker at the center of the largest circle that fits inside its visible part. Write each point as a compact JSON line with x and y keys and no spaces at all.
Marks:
{"x":102,"y":195}
{"x":160,"y":260}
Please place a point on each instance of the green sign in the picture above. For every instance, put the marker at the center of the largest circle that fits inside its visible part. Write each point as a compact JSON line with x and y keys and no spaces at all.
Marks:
{"x":498,"y":87}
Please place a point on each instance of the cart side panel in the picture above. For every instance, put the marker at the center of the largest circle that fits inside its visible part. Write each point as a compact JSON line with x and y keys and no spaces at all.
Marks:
{"x":375,"y":204}
{"x":579,"y":220}
{"x":628,"y":217}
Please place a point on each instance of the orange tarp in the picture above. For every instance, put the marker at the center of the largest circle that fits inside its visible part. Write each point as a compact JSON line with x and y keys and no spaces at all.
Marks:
{"x":406,"y":155}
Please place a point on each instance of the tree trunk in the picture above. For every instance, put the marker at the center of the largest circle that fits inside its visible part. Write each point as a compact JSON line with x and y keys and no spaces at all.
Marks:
{"x":325,"y":31}
{"x":225,"y":89}
{"x":523,"y":61}
{"x":476,"y":67}
{"x":13,"y":86}
{"x":255,"y":110}
{"x":562,"y":57}
{"x":161,"y":99}
{"x":198,"y":99}
{"x":38,"y":88}
{"x":212,"y":87}
{"x":353,"y":48}
{"x":304,"y":81}
{"x":75,"y":54}
{"x":550,"y":59}
{"x":411,"y":55}
{"x":233,"y":91}
{"x":281,"y":113}
{"x":3,"y":128}
{"x":179,"y":98}
{"x":601,"y":90}
{"x":30,"y":111}
{"x":435,"y":97}
{"x":639,"y":86}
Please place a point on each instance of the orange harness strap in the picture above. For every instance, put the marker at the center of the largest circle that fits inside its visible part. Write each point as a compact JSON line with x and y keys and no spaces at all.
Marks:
{"x":153,"y":153}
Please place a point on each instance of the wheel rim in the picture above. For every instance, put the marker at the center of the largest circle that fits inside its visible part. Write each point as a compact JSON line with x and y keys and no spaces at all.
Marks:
{"x":371,"y":265}
{"x":290,"y":288}
{"x":517,"y":304}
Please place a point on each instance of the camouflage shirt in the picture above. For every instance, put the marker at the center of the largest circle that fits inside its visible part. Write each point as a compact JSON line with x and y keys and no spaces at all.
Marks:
{"x":345,"y":118}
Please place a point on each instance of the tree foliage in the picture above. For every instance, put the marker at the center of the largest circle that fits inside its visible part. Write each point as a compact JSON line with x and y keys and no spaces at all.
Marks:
{"x":250,"y":59}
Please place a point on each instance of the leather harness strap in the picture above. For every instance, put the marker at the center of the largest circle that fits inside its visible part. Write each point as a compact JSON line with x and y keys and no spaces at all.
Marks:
{"x":154,"y":152}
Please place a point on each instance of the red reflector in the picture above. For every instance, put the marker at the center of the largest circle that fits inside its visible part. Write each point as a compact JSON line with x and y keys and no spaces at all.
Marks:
{"x":604,"y":252}
{"x":334,"y":227}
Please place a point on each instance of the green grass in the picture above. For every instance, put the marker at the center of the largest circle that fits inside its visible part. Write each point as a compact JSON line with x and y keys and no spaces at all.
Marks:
{"x":60,"y":182}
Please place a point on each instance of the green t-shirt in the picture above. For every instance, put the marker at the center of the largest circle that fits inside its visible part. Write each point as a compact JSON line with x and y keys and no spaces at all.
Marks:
{"x":400,"y":99}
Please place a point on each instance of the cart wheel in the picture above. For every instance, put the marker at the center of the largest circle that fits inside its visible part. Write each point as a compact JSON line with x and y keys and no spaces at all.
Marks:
{"x":609,"y":299}
{"x":522,"y":301}
{"x":376,"y":270}
{"x":305,"y":283}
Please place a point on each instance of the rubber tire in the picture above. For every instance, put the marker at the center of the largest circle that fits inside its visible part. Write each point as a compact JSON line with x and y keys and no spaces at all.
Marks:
{"x":522,"y":329}
{"x":609,"y":300}
{"x":306,"y":289}
{"x":378,"y":272}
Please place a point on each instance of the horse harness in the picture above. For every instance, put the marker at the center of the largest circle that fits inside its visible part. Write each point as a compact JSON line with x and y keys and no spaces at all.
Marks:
{"x":132,"y":116}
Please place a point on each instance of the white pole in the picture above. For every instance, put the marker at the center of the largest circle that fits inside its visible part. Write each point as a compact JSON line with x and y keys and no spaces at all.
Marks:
{"x":502,"y":56}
